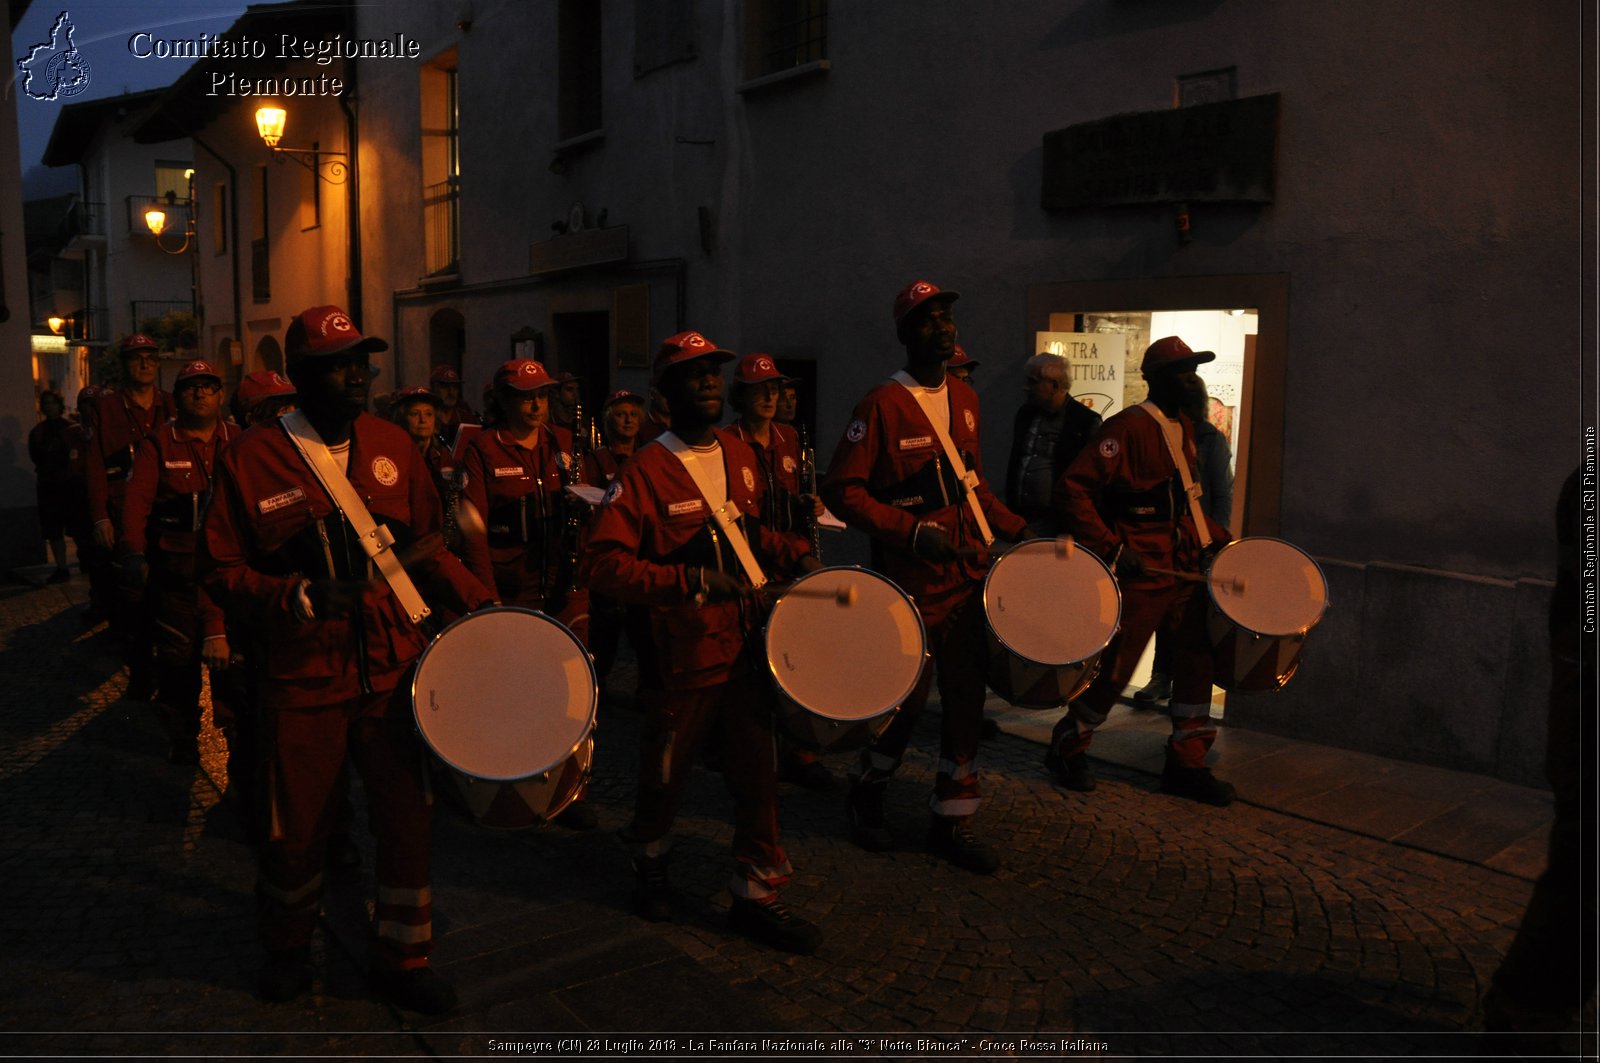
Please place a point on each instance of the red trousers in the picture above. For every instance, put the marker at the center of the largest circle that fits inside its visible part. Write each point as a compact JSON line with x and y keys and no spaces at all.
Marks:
{"x":675,"y":724}
{"x":1179,"y":611}
{"x":958,"y":648}
{"x":307,"y":751}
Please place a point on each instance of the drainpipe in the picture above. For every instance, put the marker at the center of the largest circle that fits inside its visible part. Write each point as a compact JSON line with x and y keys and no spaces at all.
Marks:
{"x":353,"y":183}
{"x":233,"y":247}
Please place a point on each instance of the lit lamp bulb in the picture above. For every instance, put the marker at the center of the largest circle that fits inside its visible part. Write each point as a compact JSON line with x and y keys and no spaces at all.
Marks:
{"x":55,"y":321}
{"x":269,"y":123}
{"x":155,"y":220}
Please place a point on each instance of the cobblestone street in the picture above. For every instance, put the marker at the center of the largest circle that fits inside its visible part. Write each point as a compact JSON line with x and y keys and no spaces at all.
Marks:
{"x":1153,"y":925}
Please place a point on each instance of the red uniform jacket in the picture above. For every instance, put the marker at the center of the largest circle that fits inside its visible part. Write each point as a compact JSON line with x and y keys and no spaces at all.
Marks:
{"x":271,"y":525}
{"x":114,"y":426}
{"x":889,"y":473}
{"x":519,"y":493}
{"x":168,"y":492}
{"x":780,"y":465}
{"x":655,"y":529}
{"x":1123,"y":490}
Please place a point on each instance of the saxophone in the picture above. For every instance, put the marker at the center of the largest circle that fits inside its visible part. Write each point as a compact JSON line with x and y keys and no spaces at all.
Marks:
{"x":808,"y":484}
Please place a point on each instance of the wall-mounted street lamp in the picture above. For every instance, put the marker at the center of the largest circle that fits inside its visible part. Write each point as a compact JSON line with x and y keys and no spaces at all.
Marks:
{"x":270,"y":122}
{"x":55,"y":321}
{"x":155,"y":219}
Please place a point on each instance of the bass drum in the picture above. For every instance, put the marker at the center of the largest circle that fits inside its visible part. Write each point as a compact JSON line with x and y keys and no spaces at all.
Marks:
{"x":1051,"y":611}
{"x":505,"y":698}
{"x":842,"y":671}
{"x":1266,"y":597}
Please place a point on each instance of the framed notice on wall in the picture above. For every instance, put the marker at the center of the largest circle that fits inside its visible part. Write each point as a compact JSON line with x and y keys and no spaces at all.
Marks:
{"x":630,"y":319}
{"x":1098,"y":363}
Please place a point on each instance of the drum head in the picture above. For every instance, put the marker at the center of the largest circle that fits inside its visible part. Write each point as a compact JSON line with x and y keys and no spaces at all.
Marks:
{"x":845,"y":662}
{"x":1284,"y":589}
{"x":1050,"y":609}
{"x":504,"y":694}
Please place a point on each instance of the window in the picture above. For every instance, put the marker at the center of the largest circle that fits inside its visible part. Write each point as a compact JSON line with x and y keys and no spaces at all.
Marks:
{"x":220,"y":219}
{"x":441,"y":166}
{"x":780,"y":35}
{"x":172,"y":180}
{"x":260,"y":273}
{"x":578,"y":94}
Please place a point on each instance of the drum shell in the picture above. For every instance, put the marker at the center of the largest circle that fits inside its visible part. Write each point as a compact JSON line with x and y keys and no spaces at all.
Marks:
{"x":562,"y":766}
{"x":838,"y":728}
{"x":1255,"y":662}
{"x":1026,"y":683}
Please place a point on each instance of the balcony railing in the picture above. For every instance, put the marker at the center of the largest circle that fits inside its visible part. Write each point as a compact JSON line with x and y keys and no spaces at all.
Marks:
{"x":441,"y":222}
{"x":146,"y":311}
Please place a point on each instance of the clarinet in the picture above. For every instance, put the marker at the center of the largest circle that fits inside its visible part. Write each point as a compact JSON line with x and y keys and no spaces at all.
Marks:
{"x":808,"y":482}
{"x":572,"y":473}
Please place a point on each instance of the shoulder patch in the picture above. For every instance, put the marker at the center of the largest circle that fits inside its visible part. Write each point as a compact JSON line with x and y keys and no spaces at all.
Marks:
{"x":1109,"y":447}
{"x":385,"y":471}
{"x":749,"y":478}
{"x":857,"y":431}
{"x":788,"y":464}
{"x":972,"y":421}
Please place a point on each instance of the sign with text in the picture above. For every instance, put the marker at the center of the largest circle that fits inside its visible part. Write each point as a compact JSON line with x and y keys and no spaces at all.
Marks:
{"x":1098,"y":363}
{"x":1210,"y":153}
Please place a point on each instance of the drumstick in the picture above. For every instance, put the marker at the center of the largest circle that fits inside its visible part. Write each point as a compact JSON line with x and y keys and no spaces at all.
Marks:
{"x":842,"y":595}
{"x":1236,"y":584}
{"x":468,"y":519}
{"x":1064,"y":547}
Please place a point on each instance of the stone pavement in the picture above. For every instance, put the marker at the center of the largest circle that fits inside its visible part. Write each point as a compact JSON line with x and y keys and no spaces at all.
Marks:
{"x":1123,"y":918}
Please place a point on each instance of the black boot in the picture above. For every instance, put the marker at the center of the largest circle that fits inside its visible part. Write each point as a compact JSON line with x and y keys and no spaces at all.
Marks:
{"x":1070,"y":773}
{"x":772,"y":923}
{"x":1197,"y":784}
{"x":864,"y":806}
{"x":953,"y":839}
{"x":416,"y":989}
{"x":653,"y":894}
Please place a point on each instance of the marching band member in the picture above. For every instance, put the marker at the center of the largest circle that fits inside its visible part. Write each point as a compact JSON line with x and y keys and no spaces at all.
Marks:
{"x":681,"y":530}
{"x":1126,"y":497}
{"x":117,"y":420}
{"x":906,"y":473}
{"x":280,"y":555}
{"x":168,"y":491}
{"x":756,"y":393}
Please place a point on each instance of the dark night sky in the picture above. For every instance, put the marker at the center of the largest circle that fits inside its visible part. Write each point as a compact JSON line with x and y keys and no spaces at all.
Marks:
{"x":102,"y":33}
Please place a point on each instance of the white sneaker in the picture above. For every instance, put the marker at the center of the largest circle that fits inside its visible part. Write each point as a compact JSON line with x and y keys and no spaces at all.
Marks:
{"x":1158,"y":689}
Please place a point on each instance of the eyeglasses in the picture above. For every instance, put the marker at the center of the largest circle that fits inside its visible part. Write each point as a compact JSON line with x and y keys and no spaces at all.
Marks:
{"x":204,"y":389}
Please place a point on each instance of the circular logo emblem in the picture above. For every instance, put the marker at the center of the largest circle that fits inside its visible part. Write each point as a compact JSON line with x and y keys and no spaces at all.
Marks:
{"x":856,"y":432}
{"x":788,"y":463}
{"x":749,"y":479}
{"x":972,"y":422}
{"x":385,"y":471}
{"x":1109,"y":448}
{"x":613,"y":492}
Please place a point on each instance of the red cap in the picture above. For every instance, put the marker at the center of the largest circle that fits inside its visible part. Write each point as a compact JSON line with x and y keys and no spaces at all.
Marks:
{"x":139,"y":342}
{"x":915,"y":294}
{"x":961,"y":359}
{"x":88,"y":393}
{"x":622,"y":395}
{"x":413,"y":393}
{"x":1170,"y":351}
{"x":323,"y":331}
{"x":522,"y":374}
{"x":563,"y":377}
{"x":686,"y":347}
{"x":757,"y":369}
{"x":262,"y":384}
{"x":444,"y":374}
{"x":198,"y":367}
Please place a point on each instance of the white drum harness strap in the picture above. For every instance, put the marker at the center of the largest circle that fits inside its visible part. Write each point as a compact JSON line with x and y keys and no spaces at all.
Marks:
{"x":1190,"y":488}
{"x":968,"y":478}
{"x":376,"y":540}
{"x":725,"y":512}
